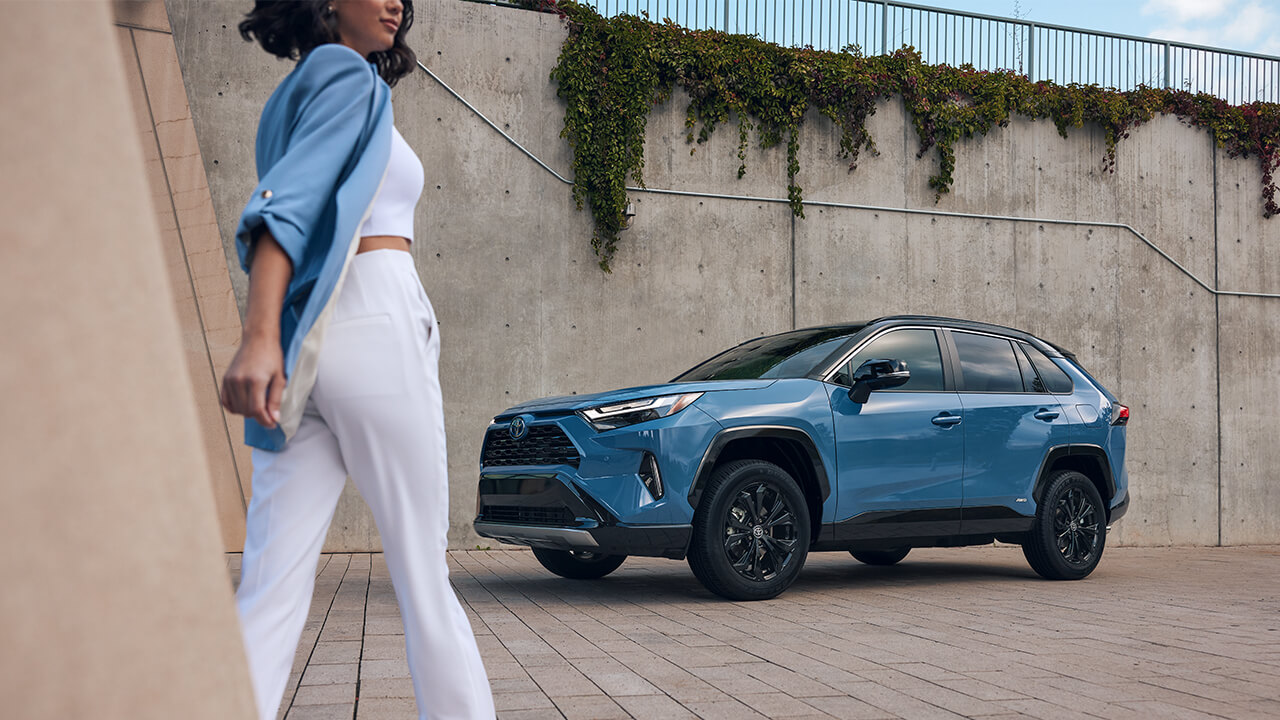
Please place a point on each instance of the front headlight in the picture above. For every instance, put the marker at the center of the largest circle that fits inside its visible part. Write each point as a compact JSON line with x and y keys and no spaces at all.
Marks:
{"x":612,"y":417}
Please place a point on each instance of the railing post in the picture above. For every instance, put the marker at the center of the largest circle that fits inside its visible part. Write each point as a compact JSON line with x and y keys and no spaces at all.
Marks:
{"x":1168,"y":66}
{"x":1031,"y":52}
{"x":884,"y":27}
{"x":726,"y":15}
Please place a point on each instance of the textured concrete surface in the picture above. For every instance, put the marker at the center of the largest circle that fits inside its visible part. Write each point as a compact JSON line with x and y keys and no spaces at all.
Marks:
{"x":503,"y":254}
{"x":1173,"y":632}
{"x":1249,"y":362}
{"x":114,"y":603}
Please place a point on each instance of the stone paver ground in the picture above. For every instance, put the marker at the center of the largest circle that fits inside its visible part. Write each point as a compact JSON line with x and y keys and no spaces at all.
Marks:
{"x":1165,"y":633}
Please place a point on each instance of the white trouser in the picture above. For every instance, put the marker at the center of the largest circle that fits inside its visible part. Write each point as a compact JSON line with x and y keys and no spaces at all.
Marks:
{"x":376,"y":414}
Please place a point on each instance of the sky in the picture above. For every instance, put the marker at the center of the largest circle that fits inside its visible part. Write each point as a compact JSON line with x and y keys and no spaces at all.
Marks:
{"x":1242,"y":25}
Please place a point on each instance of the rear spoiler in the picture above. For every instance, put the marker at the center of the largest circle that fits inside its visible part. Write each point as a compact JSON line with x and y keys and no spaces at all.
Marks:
{"x":1063,"y":352}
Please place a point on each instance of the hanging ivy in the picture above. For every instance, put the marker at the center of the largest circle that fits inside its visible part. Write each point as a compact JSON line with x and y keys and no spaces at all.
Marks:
{"x":612,"y":71}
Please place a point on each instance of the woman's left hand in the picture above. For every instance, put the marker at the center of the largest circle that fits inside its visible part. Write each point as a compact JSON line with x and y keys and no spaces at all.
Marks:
{"x":255,"y":381}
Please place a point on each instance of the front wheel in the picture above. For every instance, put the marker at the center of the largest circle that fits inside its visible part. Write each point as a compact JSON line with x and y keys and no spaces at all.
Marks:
{"x":1070,"y":530}
{"x":578,"y":564}
{"x":751,"y":532}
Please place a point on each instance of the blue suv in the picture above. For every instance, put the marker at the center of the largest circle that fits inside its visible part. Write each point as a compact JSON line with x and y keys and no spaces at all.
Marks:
{"x":906,"y":431}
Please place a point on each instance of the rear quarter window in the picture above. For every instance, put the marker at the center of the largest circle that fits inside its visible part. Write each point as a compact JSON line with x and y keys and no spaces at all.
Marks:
{"x":1053,"y":377}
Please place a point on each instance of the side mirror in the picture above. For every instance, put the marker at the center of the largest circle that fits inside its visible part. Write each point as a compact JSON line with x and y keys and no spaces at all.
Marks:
{"x":877,"y":374}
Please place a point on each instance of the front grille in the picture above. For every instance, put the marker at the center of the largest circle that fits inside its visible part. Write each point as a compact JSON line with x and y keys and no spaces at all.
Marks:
{"x":544,"y":445}
{"x":527,"y":515}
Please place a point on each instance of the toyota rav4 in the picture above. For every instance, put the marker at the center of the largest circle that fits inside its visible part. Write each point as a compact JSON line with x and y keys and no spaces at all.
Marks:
{"x":872,"y":438}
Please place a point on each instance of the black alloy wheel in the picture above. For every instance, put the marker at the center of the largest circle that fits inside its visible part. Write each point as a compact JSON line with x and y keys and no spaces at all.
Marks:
{"x":1076,"y":524}
{"x":578,"y":564}
{"x":751,"y":532}
{"x":760,"y":532}
{"x":1071,"y":528}
{"x":880,"y":557}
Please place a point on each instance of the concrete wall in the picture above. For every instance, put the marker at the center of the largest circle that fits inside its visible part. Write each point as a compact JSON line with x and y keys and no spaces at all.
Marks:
{"x":115,"y":601}
{"x":503,"y":254}
{"x":1248,"y":360}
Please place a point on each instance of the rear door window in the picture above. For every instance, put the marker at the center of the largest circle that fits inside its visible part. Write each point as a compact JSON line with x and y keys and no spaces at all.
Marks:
{"x":987,"y":364}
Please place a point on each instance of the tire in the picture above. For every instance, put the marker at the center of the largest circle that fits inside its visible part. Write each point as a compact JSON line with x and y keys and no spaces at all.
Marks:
{"x":751,"y":531}
{"x":880,"y":557}
{"x":578,"y":564}
{"x":1070,"y":531}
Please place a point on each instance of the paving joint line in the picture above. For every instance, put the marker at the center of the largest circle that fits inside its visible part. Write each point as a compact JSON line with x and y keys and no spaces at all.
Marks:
{"x":536,"y":603}
{"x":319,"y":632}
{"x":364,"y":626}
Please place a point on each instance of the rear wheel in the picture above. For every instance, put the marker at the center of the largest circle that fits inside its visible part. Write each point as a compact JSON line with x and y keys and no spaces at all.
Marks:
{"x":881,"y":557}
{"x":1070,"y":531}
{"x":578,"y":564}
{"x":751,"y":532}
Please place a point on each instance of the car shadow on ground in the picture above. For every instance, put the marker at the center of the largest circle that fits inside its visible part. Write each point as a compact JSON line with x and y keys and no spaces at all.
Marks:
{"x":650,"y":581}
{"x":831,"y":576}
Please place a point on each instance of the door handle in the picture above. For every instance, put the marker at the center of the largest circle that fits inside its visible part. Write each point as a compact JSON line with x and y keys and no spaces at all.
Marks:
{"x":1046,"y":415}
{"x":946,"y":419}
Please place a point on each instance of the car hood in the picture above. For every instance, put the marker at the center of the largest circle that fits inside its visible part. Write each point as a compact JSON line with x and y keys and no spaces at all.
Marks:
{"x":573,"y":403}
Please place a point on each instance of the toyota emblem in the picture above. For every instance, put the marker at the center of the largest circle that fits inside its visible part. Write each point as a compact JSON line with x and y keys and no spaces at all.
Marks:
{"x":519,"y":427}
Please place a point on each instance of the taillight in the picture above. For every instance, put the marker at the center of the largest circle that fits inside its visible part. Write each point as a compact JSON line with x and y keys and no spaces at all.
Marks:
{"x":1120,"y":415}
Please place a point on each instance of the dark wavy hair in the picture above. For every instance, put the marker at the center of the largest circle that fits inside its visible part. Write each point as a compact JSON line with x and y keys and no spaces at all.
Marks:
{"x":291,"y":29}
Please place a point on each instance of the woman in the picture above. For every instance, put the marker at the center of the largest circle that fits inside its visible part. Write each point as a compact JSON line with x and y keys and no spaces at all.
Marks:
{"x":336,"y":373}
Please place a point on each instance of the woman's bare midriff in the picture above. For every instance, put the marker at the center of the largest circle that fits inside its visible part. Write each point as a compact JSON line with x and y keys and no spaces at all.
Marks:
{"x":383,"y":242}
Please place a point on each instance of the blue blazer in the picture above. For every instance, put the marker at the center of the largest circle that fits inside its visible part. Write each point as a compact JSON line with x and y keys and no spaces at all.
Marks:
{"x":322,"y":148}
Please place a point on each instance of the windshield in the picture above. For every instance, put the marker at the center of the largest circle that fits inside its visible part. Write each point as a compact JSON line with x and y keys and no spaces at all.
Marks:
{"x":788,"y":355}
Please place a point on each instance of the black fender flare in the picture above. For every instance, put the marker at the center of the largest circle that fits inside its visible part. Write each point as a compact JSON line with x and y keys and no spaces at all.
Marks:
{"x":784,"y":432}
{"x":1074,"y":450}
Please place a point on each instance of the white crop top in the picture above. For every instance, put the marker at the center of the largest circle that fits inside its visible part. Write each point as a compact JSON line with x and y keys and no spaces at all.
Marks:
{"x":392,"y":212}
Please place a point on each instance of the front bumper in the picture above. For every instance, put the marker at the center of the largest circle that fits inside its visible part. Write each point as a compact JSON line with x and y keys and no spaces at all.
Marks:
{"x":669,"y":541}
{"x":541,"y":510}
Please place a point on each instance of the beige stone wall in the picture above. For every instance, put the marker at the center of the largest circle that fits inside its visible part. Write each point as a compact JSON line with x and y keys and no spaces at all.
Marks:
{"x":115,"y":602}
{"x":194,"y":261}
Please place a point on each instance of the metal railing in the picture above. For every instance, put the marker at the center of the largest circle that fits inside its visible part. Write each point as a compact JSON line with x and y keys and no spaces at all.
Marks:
{"x":1040,"y":51}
